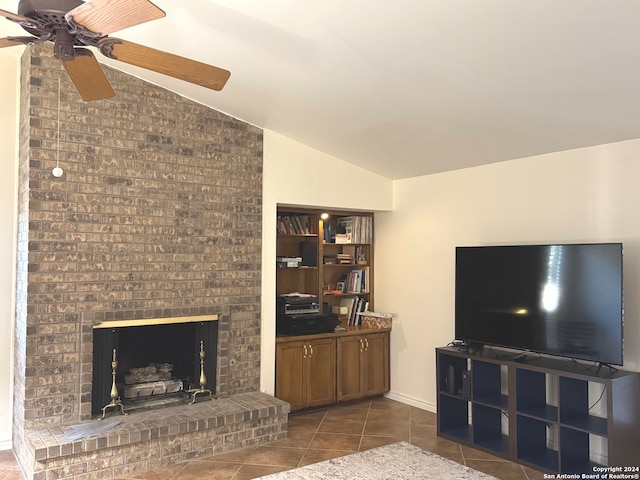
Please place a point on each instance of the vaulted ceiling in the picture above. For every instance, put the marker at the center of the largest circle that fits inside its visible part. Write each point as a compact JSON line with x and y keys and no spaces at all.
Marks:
{"x":408,"y":87}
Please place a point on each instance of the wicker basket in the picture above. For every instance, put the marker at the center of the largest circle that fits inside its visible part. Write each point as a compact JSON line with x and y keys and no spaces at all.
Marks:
{"x":369,"y":321}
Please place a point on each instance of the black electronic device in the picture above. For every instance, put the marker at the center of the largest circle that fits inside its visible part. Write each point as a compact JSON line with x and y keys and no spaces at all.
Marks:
{"x":305,"y":324}
{"x":450,"y":380}
{"x":562,"y":299}
{"x":466,"y":384}
{"x":297,"y":304}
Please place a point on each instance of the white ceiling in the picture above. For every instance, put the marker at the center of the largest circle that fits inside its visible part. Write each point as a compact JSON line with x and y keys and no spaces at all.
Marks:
{"x":411,"y":87}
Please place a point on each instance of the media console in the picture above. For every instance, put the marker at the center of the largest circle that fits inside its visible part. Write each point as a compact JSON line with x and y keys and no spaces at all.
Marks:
{"x":552,"y":414}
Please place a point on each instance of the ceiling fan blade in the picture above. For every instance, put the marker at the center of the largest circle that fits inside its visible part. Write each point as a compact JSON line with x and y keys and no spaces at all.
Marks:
{"x":13,"y":41}
{"x":88,"y":77}
{"x":166,"y":63}
{"x":108,"y":16}
{"x":23,"y":21}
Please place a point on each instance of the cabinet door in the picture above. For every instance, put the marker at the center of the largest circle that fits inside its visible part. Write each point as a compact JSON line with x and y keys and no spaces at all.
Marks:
{"x":350,"y":367}
{"x":321,"y":372}
{"x":375,"y":367}
{"x":290,"y":381}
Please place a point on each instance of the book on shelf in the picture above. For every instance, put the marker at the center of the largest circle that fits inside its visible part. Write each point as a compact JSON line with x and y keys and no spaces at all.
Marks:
{"x":357,"y":280}
{"x":348,"y":303}
{"x":351,"y":308}
{"x":355,"y":228}
{"x":297,"y":224}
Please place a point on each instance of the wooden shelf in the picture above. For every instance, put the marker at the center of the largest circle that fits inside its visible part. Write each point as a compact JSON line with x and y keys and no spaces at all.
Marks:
{"x":539,"y":412}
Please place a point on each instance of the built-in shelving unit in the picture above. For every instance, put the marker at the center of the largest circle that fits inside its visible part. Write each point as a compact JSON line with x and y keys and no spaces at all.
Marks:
{"x":329,"y":254}
{"x":556,"y":415}
{"x":331,"y":257}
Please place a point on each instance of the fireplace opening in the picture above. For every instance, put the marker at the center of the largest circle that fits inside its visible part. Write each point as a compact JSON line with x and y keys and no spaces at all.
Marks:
{"x":158,"y":361}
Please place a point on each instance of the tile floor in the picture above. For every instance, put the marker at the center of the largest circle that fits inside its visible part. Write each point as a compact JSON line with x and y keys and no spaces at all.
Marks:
{"x":323,"y":434}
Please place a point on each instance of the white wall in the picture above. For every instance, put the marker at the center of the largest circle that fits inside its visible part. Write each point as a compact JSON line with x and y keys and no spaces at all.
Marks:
{"x":583,"y":195}
{"x":8,"y":196}
{"x":295,"y":174}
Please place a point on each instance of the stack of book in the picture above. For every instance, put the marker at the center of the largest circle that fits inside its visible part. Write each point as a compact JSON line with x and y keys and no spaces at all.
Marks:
{"x":288,"y":262}
{"x":338,"y":259}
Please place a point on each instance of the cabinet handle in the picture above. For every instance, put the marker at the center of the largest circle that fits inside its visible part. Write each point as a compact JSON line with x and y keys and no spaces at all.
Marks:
{"x":366,"y":344}
{"x":304,"y":350}
{"x":361,"y":345}
{"x":310,"y":351}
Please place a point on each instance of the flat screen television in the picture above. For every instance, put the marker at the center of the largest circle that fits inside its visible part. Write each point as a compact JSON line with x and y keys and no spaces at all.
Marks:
{"x":563,"y":299}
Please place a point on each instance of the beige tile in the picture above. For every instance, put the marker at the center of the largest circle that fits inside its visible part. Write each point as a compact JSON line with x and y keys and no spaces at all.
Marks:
{"x":248,"y":472}
{"x":389,"y":415}
{"x":444,"y":448}
{"x":386,"y":428}
{"x":422,"y":417}
{"x":166,"y":473}
{"x":239,"y":456}
{"x":342,"y":425}
{"x":7,"y":461}
{"x":350,"y":412}
{"x":10,"y":475}
{"x":370,"y":441}
{"x":503,"y":470}
{"x":307,"y":423}
{"x":276,"y":456}
{"x":475,"y":454}
{"x":315,"y":456}
{"x":196,"y":469}
{"x":336,"y":441}
{"x":386,"y":404}
{"x":423,"y":431}
{"x":296,"y":437}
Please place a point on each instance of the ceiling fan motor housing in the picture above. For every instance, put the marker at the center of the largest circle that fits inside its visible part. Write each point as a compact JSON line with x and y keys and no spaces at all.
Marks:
{"x":51,"y":16}
{"x":49,"y":13}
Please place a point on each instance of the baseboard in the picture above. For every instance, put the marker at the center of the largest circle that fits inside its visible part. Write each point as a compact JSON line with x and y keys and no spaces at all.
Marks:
{"x":414,"y":402}
{"x":6,"y":445}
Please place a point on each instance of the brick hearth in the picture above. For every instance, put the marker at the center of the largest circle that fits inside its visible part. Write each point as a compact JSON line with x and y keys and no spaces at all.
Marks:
{"x":158,"y":214}
{"x":155,"y":438}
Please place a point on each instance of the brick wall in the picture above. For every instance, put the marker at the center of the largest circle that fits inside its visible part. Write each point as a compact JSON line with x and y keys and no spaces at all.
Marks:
{"x":158,"y":214}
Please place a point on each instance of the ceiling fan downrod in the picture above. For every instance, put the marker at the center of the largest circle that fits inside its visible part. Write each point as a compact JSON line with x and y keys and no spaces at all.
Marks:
{"x":63,"y":47}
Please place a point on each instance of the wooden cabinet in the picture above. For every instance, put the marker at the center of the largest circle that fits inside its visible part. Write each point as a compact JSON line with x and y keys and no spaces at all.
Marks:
{"x":547,"y":413}
{"x":363,"y":365}
{"x":316,"y":370}
{"x":306,"y":372}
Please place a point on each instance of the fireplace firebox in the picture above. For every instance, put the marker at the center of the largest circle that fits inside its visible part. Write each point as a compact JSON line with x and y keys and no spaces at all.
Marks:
{"x":158,"y":361}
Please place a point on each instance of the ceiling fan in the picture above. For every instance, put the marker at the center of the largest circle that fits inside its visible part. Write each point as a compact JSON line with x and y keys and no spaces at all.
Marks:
{"x":73,"y":25}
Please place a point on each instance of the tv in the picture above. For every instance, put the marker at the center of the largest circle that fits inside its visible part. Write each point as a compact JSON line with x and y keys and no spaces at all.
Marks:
{"x":563,"y":299}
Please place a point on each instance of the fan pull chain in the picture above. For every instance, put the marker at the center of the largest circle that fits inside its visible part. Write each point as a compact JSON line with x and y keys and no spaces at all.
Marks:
{"x":57,"y":171}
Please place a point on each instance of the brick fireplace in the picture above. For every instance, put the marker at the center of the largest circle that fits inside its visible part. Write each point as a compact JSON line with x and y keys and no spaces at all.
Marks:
{"x":157,"y":215}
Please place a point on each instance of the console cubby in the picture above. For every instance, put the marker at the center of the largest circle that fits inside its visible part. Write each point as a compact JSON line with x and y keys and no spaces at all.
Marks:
{"x":555,"y":415}
{"x":534,"y":440}
{"x":531,"y":395}
{"x":454,"y":420}
{"x":487,"y":428}
{"x":487,"y":384}
{"x":576,"y":447}
{"x":575,"y":408}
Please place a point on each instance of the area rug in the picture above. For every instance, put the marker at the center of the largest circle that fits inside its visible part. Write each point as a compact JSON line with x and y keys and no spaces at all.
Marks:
{"x":398,"y":461}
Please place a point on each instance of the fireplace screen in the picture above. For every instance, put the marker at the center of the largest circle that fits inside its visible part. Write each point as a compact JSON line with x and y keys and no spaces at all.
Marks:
{"x":158,"y":361}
